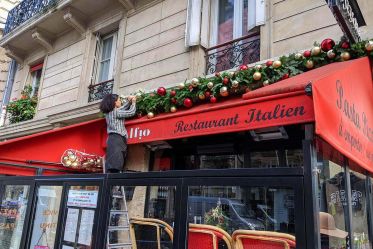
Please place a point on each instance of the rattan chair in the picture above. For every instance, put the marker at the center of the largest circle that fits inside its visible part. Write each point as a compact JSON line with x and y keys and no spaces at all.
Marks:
{"x":249,"y":239}
{"x":207,"y":237}
{"x":158,"y":225}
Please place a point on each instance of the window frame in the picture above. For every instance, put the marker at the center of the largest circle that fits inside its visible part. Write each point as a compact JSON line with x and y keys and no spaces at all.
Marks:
{"x":112,"y":59}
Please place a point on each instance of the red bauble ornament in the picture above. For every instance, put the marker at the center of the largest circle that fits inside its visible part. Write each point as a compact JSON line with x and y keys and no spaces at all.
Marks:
{"x":207,"y":94}
{"x":225,"y":81}
{"x":285,"y":76}
{"x":307,"y":53}
{"x":327,"y":44}
{"x":269,"y":63}
{"x":173,"y":101}
{"x":190,"y":87}
{"x":243,"y":67}
{"x":213,"y":99}
{"x":161,"y":91}
{"x":345,"y":45}
{"x":172,"y":93}
{"x":188,"y":102}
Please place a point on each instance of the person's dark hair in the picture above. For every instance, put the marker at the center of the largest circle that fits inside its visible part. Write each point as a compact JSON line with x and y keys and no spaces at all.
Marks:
{"x":108,"y":103}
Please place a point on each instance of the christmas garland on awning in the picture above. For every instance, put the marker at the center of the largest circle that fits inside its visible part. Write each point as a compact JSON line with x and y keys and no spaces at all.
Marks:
{"x":235,"y":83}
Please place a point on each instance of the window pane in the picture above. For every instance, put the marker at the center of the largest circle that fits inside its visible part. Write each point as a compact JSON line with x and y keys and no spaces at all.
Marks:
{"x":225,"y":29}
{"x":244,"y":19}
{"x":79,"y":219}
{"x":106,"y":48}
{"x":265,"y":159}
{"x":359,"y":210}
{"x":46,"y":216}
{"x":231,"y":208}
{"x":142,"y":215}
{"x":332,"y":198}
{"x":36,"y":78}
{"x":104,"y":71}
{"x":12,"y":215}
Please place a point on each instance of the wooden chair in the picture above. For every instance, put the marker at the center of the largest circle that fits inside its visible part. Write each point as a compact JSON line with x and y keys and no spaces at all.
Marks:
{"x":207,"y":237}
{"x":249,"y":239}
{"x":150,"y":224}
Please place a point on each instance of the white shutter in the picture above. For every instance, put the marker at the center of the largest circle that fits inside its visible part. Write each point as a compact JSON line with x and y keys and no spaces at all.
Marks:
{"x":96,"y":60}
{"x":256,"y":13}
{"x":193,"y":23}
{"x":205,"y":23}
{"x":260,"y":12}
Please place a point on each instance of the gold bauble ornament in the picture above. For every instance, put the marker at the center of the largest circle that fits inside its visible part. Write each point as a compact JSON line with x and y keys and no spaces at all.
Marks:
{"x":315,"y":50}
{"x":74,"y":164}
{"x":68,"y":162}
{"x":231,"y":74}
{"x":345,"y":56}
{"x":173,"y":109}
{"x":276,"y":64}
{"x":150,"y":115}
{"x":210,"y":85}
{"x":224,"y":91}
{"x":330,"y":54}
{"x":201,"y":96}
{"x":298,"y":56}
{"x":265,"y":83}
{"x":309,"y":64}
{"x":98,"y":161}
{"x":194,"y":82}
{"x":72,"y":157}
{"x":235,"y":84}
{"x":258,"y":67}
{"x":257,"y":76}
{"x":181,"y":85}
{"x":369,"y":46}
{"x":85,"y":165}
{"x":65,"y":158}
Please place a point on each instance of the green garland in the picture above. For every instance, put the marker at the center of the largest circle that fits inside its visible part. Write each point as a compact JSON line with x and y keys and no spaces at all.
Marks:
{"x":229,"y":83}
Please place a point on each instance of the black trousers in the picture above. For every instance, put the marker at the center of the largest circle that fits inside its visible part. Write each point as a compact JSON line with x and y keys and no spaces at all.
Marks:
{"x":116,"y":153}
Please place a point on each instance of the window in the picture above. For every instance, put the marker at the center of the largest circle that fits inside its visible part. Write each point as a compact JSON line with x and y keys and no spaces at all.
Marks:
{"x":229,"y":20}
{"x":46,"y":217}
{"x":105,"y":54}
{"x":35,"y":72}
{"x":12,"y":215}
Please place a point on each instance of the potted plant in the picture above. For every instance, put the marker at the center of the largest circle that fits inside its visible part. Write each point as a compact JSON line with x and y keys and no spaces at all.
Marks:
{"x":24,"y":108}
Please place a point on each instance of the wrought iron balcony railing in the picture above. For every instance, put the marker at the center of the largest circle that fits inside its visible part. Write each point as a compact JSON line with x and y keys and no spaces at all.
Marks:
{"x":98,"y":91}
{"x":244,"y":50}
{"x":26,"y":10}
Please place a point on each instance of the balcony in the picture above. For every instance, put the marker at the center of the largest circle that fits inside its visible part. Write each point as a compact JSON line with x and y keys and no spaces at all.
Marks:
{"x":244,"y":50}
{"x":26,"y":10}
{"x":37,"y":24}
{"x":98,"y":91}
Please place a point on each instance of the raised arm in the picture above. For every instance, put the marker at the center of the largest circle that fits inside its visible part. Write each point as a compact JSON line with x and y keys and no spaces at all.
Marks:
{"x":125,"y":105}
{"x":126,"y":113}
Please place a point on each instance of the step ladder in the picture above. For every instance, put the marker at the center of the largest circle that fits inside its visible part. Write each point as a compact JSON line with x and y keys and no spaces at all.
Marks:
{"x":122,"y":227}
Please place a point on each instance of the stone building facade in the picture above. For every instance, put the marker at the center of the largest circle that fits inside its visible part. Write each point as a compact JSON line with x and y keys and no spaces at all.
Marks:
{"x":69,"y":47}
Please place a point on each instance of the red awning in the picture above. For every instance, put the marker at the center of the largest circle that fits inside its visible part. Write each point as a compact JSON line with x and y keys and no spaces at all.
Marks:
{"x":25,"y":155}
{"x":282,"y":103}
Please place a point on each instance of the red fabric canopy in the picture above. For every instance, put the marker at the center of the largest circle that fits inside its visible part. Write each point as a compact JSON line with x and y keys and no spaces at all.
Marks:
{"x":282,"y":103}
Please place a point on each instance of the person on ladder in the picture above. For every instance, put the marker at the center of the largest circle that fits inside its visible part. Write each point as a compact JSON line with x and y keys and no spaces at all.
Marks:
{"x":115,"y":112}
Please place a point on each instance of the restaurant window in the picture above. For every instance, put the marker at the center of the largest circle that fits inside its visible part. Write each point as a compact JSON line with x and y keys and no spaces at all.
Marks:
{"x":239,"y":211}
{"x":46,"y":217}
{"x":143,"y":216}
{"x":359,"y":207}
{"x":80,"y":217}
{"x":36,"y":72}
{"x":12,"y":215}
{"x":332,"y":198}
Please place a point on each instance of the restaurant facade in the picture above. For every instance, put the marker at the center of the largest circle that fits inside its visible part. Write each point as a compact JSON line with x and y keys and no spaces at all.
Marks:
{"x":285,"y":165}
